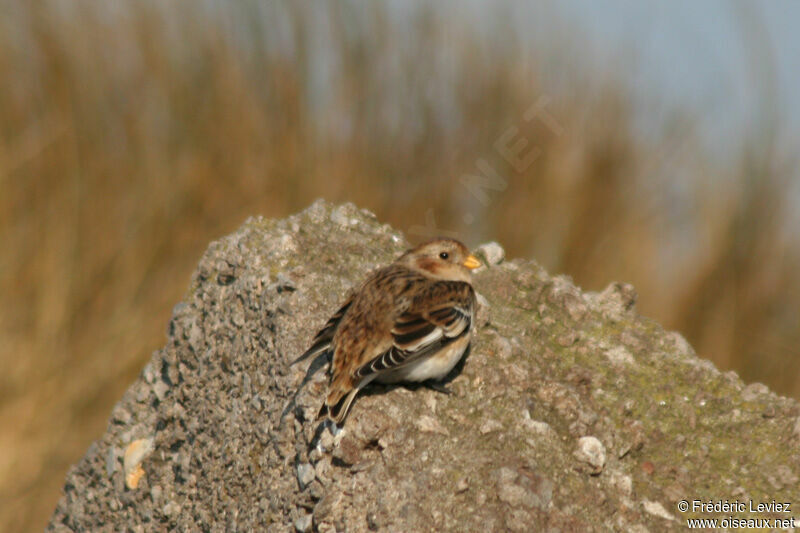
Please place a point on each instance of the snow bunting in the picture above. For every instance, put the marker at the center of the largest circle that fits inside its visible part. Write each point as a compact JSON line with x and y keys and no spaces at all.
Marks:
{"x":409,"y":321}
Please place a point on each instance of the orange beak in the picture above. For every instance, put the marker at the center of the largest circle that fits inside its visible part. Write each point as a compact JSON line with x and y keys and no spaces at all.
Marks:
{"x":472,"y":262}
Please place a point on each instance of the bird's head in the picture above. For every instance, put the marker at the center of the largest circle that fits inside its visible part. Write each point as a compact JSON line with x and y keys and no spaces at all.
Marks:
{"x":442,"y":258}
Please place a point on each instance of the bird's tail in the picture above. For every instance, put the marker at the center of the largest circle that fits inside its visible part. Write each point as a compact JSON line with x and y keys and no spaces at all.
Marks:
{"x":340,"y":399}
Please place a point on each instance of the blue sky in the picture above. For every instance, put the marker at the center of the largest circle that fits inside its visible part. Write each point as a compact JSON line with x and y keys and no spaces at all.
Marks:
{"x":730,"y":61}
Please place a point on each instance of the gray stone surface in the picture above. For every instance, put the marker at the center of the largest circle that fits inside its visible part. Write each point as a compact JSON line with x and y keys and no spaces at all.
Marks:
{"x":551,"y":365}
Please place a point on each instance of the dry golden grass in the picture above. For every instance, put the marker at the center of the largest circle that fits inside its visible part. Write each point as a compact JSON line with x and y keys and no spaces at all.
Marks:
{"x":131,"y":136}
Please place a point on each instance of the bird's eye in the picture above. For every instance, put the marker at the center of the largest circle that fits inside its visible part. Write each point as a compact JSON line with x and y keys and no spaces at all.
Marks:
{"x":444,"y":255}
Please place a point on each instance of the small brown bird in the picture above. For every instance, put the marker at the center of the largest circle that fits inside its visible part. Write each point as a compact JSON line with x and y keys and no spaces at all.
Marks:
{"x":409,"y":321}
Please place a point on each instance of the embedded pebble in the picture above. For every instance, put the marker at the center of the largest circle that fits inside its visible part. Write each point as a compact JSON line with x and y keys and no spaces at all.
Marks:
{"x":303,"y":523}
{"x":592,"y":452}
{"x":536,"y":426}
{"x":575,"y":306}
{"x":482,"y":301}
{"x":568,"y":338}
{"x":430,"y":403}
{"x":135,"y":453}
{"x":428,"y":424}
{"x":341,"y":215}
{"x":288,"y":243}
{"x":620,"y":355}
{"x":502,"y":347}
{"x":171,"y":508}
{"x":492,"y":252}
{"x":786,"y":476}
{"x":531,"y":491}
{"x":111,"y":461}
{"x":160,"y":389}
{"x":490,"y":425}
{"x":283,"y":284}
{"x":682,"y":346}
{"x":305,"y":475}
{"x":121,"y":416}
{"x":322,"y":469}
{"x":656,"y":509}
{"x":617,"y":299}
{"x":326,"y":441}
{"x":753,"y":391}
{"x":622,"y":482}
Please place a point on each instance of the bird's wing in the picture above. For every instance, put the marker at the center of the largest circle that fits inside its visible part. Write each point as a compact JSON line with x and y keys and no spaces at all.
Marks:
{"x":322,"y":341}
{"x":437,"y":316}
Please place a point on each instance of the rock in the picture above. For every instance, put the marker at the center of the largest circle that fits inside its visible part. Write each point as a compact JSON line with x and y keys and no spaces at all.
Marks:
{"x":617,"y":300}
{"x":592,"y":452}
{"x":135,"y":453}
{"x":681,"y":344}
{"x":111,"y":461}
{"x":303,"y":523}
{"x":160,"y":389}
{"x":796,"y":431}
{"x":502,"y":347}
{"x":305,"y":475}
{"x":547,"y":385}
{"x":623,"y":483}
{"x":619,"y":355}
{"x":656,"y":509}
{"x":753,"y":391}
{"x":537,"y":426}
{"x":489,"y":426}
{"x":492,"y":252}
{"x":428,"y":424}
{"x":522,"y":489}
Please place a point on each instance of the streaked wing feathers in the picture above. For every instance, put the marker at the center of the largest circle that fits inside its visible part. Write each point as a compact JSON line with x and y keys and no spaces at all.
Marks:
{"x":428,"y":325}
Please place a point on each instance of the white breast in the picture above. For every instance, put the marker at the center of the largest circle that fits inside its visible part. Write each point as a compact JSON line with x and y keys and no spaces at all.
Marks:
{"x":435,"y":366}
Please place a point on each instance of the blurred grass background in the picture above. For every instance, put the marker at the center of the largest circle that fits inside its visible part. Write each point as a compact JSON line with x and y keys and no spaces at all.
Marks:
{"x":131,"y":135}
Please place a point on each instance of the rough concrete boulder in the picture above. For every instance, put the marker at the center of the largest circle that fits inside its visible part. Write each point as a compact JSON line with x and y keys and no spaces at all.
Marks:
{"x":570,"y":413}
